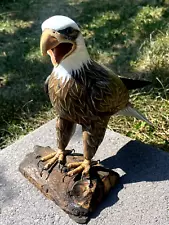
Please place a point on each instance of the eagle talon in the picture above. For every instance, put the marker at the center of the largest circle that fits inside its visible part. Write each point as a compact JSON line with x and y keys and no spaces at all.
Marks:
{"x":64,"y":169}
{"x":37,"y":157}
{"x":38,"y":163}
{"x":47,"y":176}
{"x":79,"y":167}
{"x":66,"y":175}
{"x":41,"y":172}
{"x":53,"y":159}
{"x":48,"y":170}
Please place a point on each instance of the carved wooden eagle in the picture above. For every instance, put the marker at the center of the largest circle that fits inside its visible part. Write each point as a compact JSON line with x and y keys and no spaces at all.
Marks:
{"x":81,"y":91}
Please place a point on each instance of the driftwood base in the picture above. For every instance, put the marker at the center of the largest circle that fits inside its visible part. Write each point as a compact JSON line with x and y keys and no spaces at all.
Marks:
{"x":78,"y":198}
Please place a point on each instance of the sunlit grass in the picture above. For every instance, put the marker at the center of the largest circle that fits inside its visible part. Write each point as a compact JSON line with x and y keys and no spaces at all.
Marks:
{"x":131,"y":37}
{"x":156,"y":110}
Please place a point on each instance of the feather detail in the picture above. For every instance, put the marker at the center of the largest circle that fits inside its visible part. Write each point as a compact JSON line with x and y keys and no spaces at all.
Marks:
{"x":130,"y":111}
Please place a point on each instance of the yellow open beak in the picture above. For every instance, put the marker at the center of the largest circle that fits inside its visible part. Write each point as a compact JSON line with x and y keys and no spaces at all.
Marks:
{"x":56,"y":45}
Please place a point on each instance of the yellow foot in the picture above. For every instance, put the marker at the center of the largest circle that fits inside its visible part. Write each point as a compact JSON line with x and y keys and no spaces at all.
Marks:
{"x":80,"y":167}
{"x":53,"y":159}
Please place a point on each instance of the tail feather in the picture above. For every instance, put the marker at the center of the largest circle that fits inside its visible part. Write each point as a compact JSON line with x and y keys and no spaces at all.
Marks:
{"x":134,"y":84}
{"x":130,"y":111}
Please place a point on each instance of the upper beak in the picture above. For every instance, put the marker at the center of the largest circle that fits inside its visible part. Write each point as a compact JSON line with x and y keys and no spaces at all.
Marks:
{"x":49,"y":40}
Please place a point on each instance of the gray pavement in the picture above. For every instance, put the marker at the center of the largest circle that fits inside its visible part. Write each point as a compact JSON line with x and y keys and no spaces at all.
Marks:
{"x":141,"y":198}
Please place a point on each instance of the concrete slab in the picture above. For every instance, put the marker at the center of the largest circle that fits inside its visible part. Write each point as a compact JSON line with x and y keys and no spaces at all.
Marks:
{"x":142,"y":197}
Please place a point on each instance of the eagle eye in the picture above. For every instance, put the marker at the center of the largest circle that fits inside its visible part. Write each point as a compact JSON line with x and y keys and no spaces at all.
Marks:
{"x":69,"y":33}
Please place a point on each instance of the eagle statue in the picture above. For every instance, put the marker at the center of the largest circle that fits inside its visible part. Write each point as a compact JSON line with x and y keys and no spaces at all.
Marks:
{"x":81,"y":92}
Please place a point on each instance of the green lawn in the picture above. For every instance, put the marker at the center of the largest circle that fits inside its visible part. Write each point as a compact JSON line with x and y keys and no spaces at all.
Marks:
{"x":131,"y":37}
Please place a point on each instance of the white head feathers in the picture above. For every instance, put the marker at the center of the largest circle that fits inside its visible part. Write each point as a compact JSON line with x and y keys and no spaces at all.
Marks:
{"x":59,"y":23}
{"x":77,"y":59}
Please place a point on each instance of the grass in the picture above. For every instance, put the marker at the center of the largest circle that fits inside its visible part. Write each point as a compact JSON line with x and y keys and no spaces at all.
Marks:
{"x":131,"y":37}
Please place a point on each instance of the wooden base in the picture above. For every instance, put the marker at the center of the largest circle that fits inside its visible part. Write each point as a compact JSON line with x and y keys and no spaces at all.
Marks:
{"x":78,"y":198}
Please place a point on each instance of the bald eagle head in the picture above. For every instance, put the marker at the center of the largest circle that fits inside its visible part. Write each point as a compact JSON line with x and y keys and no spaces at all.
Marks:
{"x":62,"y":40}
